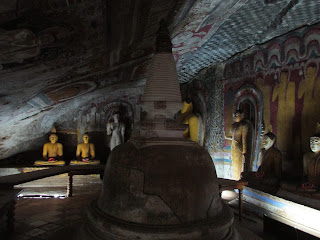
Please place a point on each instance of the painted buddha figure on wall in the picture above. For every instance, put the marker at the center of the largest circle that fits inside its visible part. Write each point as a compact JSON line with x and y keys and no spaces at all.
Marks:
{"x":116,"y":129}
{"x":52,"y":152}
{"x":311,"y":163}
{"x":270,"y":165}
{"x":241,"y":131}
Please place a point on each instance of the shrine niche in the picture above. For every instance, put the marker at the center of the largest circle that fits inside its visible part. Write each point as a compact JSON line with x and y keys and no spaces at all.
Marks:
{"x":241,"y":143}
{"x":249,"y":100}
{"x":115,"y":129}
{"x":125,"y":112}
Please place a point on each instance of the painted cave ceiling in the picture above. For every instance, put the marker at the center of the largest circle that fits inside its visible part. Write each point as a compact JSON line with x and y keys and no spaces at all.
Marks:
{"x":58,"y":55}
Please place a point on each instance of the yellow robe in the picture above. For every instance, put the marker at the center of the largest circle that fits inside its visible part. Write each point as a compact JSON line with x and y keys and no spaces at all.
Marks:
{"x":239,"y":146}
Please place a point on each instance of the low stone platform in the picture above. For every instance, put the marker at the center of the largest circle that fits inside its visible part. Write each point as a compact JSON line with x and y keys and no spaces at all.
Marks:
{"x":9,"y":181}
{"x":289,"y":212}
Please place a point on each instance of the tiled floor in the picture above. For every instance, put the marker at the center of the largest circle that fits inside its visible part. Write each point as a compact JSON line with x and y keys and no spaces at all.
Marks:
{"x":44,"y":218}
{"x":55,"y":218}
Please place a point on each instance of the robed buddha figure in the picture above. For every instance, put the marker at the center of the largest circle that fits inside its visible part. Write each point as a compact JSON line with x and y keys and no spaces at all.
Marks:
{"x":241,"y":131}
{"x":270,"y":166}
{"x":188,"y":117}
{"x":311,"y":163}
{"x":116,"y":129}
{"x":85,"y":153}
{"x":85,"y":150}
{"x":52,"y":152}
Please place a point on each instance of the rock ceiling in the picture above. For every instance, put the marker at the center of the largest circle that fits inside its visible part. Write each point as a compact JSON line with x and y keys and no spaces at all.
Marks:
{"x":56,"y":55}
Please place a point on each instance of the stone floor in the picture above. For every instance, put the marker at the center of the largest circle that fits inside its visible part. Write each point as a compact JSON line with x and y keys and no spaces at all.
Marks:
{"x":42,"y":218}
{"x":59,"y":218}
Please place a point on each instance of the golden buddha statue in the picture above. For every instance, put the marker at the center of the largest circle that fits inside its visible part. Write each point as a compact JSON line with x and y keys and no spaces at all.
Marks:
{"x":270,"y":165}
{"x":241,"y":131}
{"x":85,"y":152}
{"x":311,"y":163}
{"x":52,"y":151}
{"x":188,"y":117}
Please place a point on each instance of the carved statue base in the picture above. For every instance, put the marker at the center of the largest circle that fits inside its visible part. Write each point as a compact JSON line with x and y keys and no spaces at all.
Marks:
{"x":49,"y":163}
{"x":84,"y":162}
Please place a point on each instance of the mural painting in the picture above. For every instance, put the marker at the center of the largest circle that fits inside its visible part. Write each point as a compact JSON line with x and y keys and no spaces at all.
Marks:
{"x":286,"y":74}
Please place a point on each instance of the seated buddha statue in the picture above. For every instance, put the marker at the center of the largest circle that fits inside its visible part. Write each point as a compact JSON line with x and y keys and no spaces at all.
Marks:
{"x":311,"y":164}
{"x":188,"y":117}
{"x":269,"y":171}
{"x":85,"y":153}
{"x":52,"y":151}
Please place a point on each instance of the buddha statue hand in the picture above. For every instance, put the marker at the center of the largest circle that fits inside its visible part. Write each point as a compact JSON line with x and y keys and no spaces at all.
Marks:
{"x":87,"y":159}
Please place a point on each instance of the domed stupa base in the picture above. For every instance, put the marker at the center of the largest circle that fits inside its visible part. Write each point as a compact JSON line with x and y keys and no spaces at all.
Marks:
{"x":167,"y":191}
{"x":158,"y":185}
{"x":115,"y":229}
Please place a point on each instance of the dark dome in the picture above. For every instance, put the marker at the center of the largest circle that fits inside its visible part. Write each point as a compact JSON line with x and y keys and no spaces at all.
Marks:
{"x":168,"y":189}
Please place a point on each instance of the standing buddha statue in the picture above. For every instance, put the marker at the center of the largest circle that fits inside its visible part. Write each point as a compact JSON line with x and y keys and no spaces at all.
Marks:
{"x":116,"y":129}
{"x":241,"y":131}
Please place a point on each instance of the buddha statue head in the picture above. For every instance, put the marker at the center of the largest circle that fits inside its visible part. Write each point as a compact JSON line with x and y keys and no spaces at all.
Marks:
{"x":315,"y":140}
{"x":53,"y":138}
{"x":116,"y":116}
{"x":85,"y":138}
{"x":315,"y":143}
{"x":268,"y":140}
{"x":187,"y":106}
{"x":238,"y":115}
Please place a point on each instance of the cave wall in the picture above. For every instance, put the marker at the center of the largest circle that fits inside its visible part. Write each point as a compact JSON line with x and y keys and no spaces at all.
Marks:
{"x":207,"y":87}
{"x":282,"y":80}
{"x":88,"y":113}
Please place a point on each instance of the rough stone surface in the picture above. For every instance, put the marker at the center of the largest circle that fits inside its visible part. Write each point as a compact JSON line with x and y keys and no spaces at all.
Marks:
{"x":58,"y":55}
{"x":159,"y":191}
{"x":159,"y":185}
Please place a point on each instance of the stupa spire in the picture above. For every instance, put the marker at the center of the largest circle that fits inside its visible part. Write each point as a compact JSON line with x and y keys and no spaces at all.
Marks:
{"x":163,"y":41}
{"x":162,"y":91}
